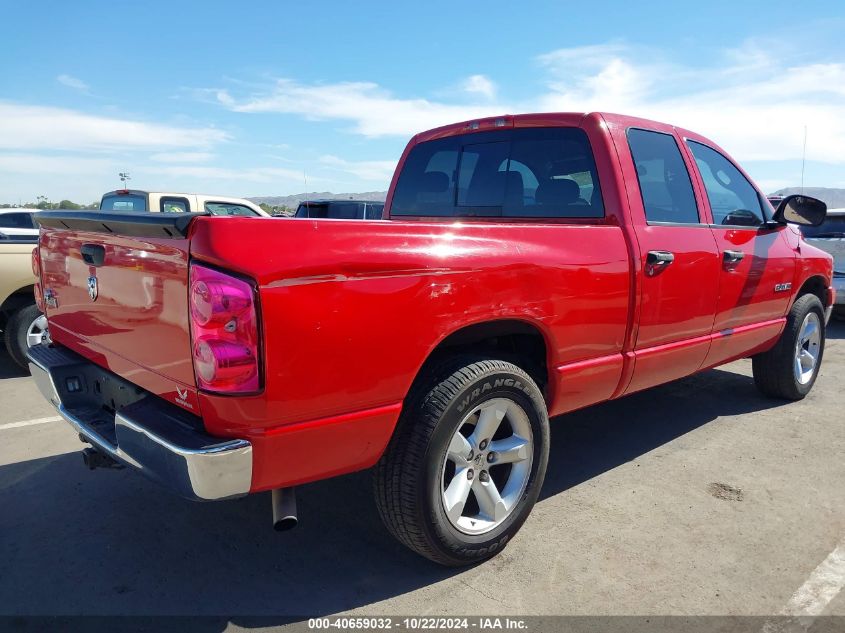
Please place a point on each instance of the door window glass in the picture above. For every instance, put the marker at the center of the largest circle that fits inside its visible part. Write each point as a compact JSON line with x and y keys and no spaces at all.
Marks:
{"x":664,"y":181}
{"x":733,"y":200}
{"x":226,"y":208}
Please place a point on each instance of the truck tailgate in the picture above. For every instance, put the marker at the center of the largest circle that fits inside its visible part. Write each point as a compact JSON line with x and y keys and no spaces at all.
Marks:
{"x":105,"y":276}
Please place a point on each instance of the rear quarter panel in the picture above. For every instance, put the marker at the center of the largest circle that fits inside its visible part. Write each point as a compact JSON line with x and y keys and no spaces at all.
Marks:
{"x":351,"y":309}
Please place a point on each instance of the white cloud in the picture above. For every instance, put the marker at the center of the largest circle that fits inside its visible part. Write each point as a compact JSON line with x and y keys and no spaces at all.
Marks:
{"x":72,"y":82}
{"x":209,"y":173}
{"x":479,"y":85}
{"x":182,"y":157}
{"x":749,"y":101}
{"x":372,"y":170}
{"x":18,"y":163}
{"x":31,"y":127}
{"x":373,"y":111}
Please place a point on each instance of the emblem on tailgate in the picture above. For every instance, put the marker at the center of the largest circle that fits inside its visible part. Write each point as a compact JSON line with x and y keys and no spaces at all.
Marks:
{"x":92,"y":287}
{"x":182,"y":398}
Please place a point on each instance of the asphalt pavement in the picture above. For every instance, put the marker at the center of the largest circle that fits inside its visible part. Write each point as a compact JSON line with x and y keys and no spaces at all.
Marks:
{"x":700,"y":497}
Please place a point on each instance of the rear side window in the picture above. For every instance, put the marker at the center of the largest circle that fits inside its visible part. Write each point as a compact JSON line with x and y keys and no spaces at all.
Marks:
{"x":128,"y":203}
{"x":225,"y":208}
{"x":16,"y":221}
{"x":520,"y":173}
{"x":664,"y":181}
{"x":733,"y":200}
{"x":174,"y":205}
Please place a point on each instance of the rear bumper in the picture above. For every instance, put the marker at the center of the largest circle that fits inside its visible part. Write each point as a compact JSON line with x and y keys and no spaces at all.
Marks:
{"x":838,"y":287}
{"x":140,"y":430}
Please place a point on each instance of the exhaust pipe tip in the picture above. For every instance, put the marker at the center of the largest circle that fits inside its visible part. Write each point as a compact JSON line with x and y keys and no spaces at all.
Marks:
{"x":284,"y":524}
{"x":284,"y":509}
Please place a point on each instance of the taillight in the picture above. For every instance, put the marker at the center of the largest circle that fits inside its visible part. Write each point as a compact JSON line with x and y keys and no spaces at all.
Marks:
{"x":224,"y":325}
{"x":36,"y":271}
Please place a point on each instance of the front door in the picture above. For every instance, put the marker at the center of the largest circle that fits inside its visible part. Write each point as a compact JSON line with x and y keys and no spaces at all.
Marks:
{"x":757,"y":263}
{"x":679,"y":262}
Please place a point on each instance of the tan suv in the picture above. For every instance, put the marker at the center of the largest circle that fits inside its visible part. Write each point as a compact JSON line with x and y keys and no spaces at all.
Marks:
{"x":22,"y":324}
{"x":135,"y":200}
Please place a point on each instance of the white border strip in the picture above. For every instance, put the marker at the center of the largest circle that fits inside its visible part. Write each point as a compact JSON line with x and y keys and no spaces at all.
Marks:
{"x":821,"y":587}
{"x":811,"y":598}
{"x":17,"y":425}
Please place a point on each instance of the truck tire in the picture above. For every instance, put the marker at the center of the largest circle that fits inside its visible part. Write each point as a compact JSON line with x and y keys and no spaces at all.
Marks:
{"x":466,"y":462}
{"x":790,"y":368}
{"x":23,"y":329}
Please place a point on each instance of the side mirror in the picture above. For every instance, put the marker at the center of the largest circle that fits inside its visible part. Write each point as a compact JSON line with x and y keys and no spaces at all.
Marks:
{"x":802,"y":210}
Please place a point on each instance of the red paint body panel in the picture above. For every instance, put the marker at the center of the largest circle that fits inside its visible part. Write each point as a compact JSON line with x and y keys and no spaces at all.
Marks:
{"x":304,"y":452}
{"x":342,"y":298}
{"x":350,"y":310}
{"x":138,"y":325}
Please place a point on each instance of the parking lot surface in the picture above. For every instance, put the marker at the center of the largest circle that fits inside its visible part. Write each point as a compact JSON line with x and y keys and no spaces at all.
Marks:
{"x":698,"y":497}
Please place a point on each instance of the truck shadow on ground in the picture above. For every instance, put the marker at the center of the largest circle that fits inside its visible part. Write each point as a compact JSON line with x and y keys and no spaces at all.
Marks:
{"x":109,"y":542}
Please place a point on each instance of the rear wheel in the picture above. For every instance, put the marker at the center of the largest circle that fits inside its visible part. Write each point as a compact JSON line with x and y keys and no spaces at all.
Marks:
{"x":465,"y":465}
{"x":25,"y":328}
{"x":790,"y":368}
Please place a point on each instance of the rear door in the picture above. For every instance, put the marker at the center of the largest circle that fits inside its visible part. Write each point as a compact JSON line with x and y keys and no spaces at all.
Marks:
{"x":756,"y":263}
{"x":678,"y":267}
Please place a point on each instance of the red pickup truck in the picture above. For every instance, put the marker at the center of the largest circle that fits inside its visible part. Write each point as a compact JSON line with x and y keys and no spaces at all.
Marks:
{"x":526,"y":266}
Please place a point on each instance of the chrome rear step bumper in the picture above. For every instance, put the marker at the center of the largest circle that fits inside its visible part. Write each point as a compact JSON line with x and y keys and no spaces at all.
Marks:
{"x":141,"y":430}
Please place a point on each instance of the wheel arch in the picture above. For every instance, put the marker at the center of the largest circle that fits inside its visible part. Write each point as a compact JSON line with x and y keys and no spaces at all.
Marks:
{"x":16,"y":300}
{"x":814,"y":285}
{"x":525,"y":343}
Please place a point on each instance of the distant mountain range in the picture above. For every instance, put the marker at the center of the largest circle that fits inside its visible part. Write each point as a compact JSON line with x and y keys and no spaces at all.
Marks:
{"x":834,"y":198}
{"x":293,"y":201}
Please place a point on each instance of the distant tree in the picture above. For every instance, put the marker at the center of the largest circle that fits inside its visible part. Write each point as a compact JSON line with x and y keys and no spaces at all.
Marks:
{"x":67,"y":204}
{"x":266,"y":207}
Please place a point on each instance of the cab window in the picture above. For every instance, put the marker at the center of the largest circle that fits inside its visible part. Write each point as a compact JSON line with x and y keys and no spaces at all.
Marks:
{"x":733,"y":200}
{"x":124,"y":203}
{"x":519,"y":173}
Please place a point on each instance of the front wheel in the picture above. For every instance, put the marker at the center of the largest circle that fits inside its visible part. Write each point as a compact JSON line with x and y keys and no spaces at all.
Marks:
{"x":25,"y":328}
{"x":790,"y":368}
{"x":466,"y":463}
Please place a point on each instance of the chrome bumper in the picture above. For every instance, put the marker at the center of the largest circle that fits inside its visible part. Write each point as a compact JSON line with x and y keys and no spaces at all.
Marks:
{"x":144,"y":432}
{"x":839,"y":285}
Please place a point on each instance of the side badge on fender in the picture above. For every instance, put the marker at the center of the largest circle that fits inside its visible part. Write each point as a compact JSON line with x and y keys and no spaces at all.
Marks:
{"x":783,"y":287}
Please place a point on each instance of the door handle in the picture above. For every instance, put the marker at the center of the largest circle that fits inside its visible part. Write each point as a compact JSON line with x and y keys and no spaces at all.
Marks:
{"x":656,"y":261}
{"x":93,"y":254}
{"x":732,"y":257}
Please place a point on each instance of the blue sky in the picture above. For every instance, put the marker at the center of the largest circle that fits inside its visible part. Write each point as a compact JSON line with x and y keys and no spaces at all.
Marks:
{"x":253,"y":98}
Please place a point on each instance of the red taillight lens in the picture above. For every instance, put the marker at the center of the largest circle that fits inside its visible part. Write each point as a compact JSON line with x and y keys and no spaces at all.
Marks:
{"x":216,"y":302}
{"x":224,"y":324}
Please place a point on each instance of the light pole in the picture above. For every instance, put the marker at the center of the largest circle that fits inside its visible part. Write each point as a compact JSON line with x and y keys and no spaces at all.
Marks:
{"x":124,"y":176}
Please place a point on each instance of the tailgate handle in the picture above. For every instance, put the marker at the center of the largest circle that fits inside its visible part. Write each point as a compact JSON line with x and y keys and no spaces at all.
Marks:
{"x":93,"y":254}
